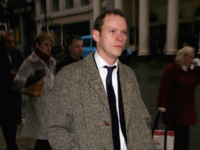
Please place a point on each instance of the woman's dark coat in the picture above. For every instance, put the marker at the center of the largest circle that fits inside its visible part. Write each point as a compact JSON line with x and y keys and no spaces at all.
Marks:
{"x":177,"y":95}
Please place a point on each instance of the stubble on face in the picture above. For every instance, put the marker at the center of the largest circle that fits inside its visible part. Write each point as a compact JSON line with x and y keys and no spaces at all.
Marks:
{"x":76,"y":49}
{"x":112,"y":39}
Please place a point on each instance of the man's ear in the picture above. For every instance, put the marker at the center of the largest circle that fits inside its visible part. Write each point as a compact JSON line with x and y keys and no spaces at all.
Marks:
{"x":95,"y":35}
{"x":69,"y":47}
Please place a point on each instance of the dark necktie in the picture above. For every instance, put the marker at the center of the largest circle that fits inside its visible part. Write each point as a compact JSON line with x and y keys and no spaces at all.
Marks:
{"x":113,"y":110}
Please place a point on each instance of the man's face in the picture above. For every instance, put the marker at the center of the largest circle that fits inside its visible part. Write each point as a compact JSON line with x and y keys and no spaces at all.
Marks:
{"x":112,"y":39}
{"x":45,"y":46}
{"x":76,"y":49}
{"x":8,"y":42}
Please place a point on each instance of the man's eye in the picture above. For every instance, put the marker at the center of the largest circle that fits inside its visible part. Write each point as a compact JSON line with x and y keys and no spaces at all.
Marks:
{"x":112,"y":31}
{"x":124,"y":32}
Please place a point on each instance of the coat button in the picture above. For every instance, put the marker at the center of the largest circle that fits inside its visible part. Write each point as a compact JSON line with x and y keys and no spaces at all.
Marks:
{"x":106,"y":123}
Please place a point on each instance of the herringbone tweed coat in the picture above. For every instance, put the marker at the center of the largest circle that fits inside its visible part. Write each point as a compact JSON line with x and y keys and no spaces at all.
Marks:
{"x":79,"y":108}
{"x":37,"y":107}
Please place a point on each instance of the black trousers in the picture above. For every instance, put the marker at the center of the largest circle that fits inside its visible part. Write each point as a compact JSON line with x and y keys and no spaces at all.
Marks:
{"x":181,"y":137}
{"x":9,"y":132}
{"x":42,"y":145}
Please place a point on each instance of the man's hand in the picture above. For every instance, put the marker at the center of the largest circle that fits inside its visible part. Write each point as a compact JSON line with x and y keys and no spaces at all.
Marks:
{"x":33,"y":79}
{"x":13,"y":72}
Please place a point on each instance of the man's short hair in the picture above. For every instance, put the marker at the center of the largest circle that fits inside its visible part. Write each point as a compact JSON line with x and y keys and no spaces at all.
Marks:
{"x":72,"y":38}
{"x":42,"y":36}
{"x":5,"y":33}
{"x":99,"y":20}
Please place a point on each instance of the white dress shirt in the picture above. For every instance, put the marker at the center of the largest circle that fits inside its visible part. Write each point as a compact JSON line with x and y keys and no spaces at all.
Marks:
{"x":185,"y":68}
{"x":103,"y":73}
{"x":10,"y":58}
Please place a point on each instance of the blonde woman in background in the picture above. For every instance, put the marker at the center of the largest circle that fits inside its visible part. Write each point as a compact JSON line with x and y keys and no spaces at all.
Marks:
{"x":176,"y":95}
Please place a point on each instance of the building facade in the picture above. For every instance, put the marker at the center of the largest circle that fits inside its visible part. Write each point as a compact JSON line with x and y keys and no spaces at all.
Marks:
{"x":155,"y":27}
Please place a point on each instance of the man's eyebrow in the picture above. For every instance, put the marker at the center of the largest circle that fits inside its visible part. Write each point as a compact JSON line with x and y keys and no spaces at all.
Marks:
{"x":111,"y":28}
{"x":116,"y":28}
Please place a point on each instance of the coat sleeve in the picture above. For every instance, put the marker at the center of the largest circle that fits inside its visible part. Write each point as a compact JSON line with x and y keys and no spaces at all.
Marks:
{"x":60,"y":126}
{"x":22,"y":74}
{"x":165,"y":84}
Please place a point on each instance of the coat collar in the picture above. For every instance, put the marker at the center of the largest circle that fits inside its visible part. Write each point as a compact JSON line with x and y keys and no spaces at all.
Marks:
{"x":96,"y":84}
{"x":34,"y":58}
{"x":178,"y":68}
{"x":126,"y":88}
{"x":95,"y":79}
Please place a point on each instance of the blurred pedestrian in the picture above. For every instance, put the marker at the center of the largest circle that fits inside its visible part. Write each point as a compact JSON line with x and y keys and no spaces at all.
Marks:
{"x":75,"y":50}
{"x":37,"y":107}
{"x":176,"y":95}
{"x":10,"y":103}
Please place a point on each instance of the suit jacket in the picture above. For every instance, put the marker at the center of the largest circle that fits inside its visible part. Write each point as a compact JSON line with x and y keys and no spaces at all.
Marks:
{"x":79,"y":108}
{"x":10,"y":101}
{"x":68,"y":60}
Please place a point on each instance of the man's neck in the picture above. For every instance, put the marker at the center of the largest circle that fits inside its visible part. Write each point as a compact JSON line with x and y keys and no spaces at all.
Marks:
{"x":7,"y":52}
{"x":110,"y":61}
{"x":74,"y":57}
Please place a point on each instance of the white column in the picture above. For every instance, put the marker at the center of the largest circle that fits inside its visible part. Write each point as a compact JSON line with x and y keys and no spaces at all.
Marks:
{"x":143,"y":28}
{"x":48,"y":6}
{"x":62,"y":5}
{"x":119,"y":4}
{"x":199,"y":42}
{"x":172,"y":27}
{"x":134,"y":23}
{"x":37,"y":6}
{"x":96,"y":9}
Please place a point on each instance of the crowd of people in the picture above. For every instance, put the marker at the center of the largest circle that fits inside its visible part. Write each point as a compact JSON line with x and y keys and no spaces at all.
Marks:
{"x":95,"y":102}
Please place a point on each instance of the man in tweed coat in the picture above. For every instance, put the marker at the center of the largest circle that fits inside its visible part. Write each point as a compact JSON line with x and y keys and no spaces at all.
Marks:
{"x":81,"y":112}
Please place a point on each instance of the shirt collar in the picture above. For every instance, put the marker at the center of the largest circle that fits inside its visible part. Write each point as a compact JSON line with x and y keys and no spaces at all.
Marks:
{"x":184,"y":67}
{"x":101,"y":63}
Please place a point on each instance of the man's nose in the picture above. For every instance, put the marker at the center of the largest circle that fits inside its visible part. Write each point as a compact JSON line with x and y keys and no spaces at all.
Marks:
{"x":119,"y":37}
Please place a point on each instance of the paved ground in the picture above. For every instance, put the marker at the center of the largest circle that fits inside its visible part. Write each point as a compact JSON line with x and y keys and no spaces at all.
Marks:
{"x":148,"y":75}
{"x":23,"y":143}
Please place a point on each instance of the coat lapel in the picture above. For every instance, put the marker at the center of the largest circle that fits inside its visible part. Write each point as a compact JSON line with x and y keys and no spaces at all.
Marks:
{"x":126,"y":92}
{"x":95,"y":80}
{"x":96,"y":84}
